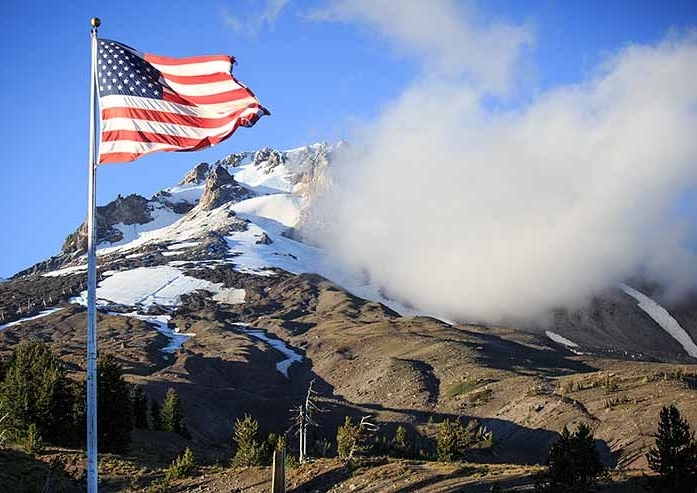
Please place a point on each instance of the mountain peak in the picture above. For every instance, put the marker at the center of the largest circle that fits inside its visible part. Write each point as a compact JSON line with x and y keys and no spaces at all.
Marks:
{"x":221,"y":188}
{"x":197,"y":175}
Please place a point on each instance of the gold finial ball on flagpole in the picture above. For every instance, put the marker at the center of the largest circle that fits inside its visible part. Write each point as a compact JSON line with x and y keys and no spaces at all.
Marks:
{"x":95,"y":22}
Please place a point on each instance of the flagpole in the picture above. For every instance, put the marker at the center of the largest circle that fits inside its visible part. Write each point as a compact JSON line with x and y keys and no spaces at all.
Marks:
{"x":92,"y":278}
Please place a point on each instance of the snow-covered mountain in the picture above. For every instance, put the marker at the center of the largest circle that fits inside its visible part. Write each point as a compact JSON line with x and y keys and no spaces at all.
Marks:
{"x":208,"y":288}
{"x":242,"y":211}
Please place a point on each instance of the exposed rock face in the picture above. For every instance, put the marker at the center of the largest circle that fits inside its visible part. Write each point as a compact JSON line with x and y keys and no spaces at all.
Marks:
{"x":196,"y":175}
{"x":133,"y":209}
{"x":312,"y":162}
{"x":181,"y":207}
{"x":221,"y":188}
{"x":52,"y":263}
{"x":272,"y":157}
{"x":264,"y":240}
{"x":233,"y":160}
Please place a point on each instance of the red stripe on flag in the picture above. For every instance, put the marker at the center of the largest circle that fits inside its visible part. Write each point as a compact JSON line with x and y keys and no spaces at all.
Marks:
{"x":223,"y":97}
{"x":165,"y":60}
{"x":167,"y":117}
{"x":121,"y":157}
{"x":174,"y":140}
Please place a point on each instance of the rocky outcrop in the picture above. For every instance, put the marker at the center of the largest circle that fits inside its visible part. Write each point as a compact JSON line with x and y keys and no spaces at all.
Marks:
{"x":133,"y":209}
{"x":264,"y":240}
{"x":197,"y":175}
{"x":233,"y":160}
{"x":181,"y":207}
{"x":270,"y":158}
{"x":222,"y":188}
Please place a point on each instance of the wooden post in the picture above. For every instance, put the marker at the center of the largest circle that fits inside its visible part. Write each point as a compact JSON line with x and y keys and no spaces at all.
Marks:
{"x":278,"y":478}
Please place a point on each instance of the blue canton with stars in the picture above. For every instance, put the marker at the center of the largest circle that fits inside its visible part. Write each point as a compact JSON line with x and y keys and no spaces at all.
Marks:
{"x":120,"y":71}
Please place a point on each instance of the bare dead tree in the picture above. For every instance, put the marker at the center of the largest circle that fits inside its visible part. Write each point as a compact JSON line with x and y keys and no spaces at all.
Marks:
{"x":305,"y":417}
{"x":3,"y":430}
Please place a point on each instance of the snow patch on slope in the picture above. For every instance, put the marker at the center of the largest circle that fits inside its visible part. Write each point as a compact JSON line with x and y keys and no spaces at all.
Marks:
{"x":66,"y":271}
{"x":161,"y":323}
{"x":34,"y":317}
{"x":260,"y":179}
{"x":663,"y":319}
{"x":291,"y":355}
{"x":560,"y":339}
{"x":283,"y":253}
{"x":162,"y":285}
{"x":189,"y":192}
{"x":275,"y":212}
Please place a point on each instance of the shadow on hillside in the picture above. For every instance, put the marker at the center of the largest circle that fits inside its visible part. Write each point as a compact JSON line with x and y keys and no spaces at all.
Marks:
{"x":215,"y":392}
{"x":323,"y":482}
{"x":503,"y":354}
{"x":484,"y":486}
{"x":21,"y":473}
{"x":513,"y":443}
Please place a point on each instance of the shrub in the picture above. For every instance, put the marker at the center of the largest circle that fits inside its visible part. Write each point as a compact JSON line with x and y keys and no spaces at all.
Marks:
{"x":480,"y":397}
{"x":453,"y":439}
{"x":674,"y":456}
{"x":573,"y":463}
{"x":401,"y":442}
{"x":461,"y":387}
{"x":616,"y":401}
{"x":33,"y":443}
{"x":250,"y":452}
{"x":322,"y":447}
{"x":609,"y":384}
{"x":354,"y":438}
{"x":184,"y":465}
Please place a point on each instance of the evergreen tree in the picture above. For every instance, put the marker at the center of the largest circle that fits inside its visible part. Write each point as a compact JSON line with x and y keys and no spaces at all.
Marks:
{"x":346,"y":439}
{"x":114,"y":406}
{"x":573,"y":463}
{"x":448,"y":441}
{"x":155,"y":415}
{"x":36,"y":390}
{"x":355,"y":438}
{"x":140,"y":408}
{"x":401,"y":442}
{"x":250,"y":452}
{"x":674,"y":457}
{"x":171,"y":418}
{"x":74,"y":432}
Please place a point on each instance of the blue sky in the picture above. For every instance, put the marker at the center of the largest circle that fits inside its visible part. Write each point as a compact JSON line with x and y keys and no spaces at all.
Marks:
{"x":318,"y":79}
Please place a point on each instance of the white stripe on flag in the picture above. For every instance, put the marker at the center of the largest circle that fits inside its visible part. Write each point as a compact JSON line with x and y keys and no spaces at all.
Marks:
{"x":131,"y":146}
{"x":113,"y":124}
{"x":202,"y":111}
{"x":201,"y":68}
{"x":202,"y":89}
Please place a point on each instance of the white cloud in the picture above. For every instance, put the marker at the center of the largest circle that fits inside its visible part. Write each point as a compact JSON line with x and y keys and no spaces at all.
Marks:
{"x":487,"y":215}
{"x":447,"y":36}
{"x":265,"y":13}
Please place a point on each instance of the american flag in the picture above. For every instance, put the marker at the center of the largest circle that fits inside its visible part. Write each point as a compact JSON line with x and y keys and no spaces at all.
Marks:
{"x":153,"y":103}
